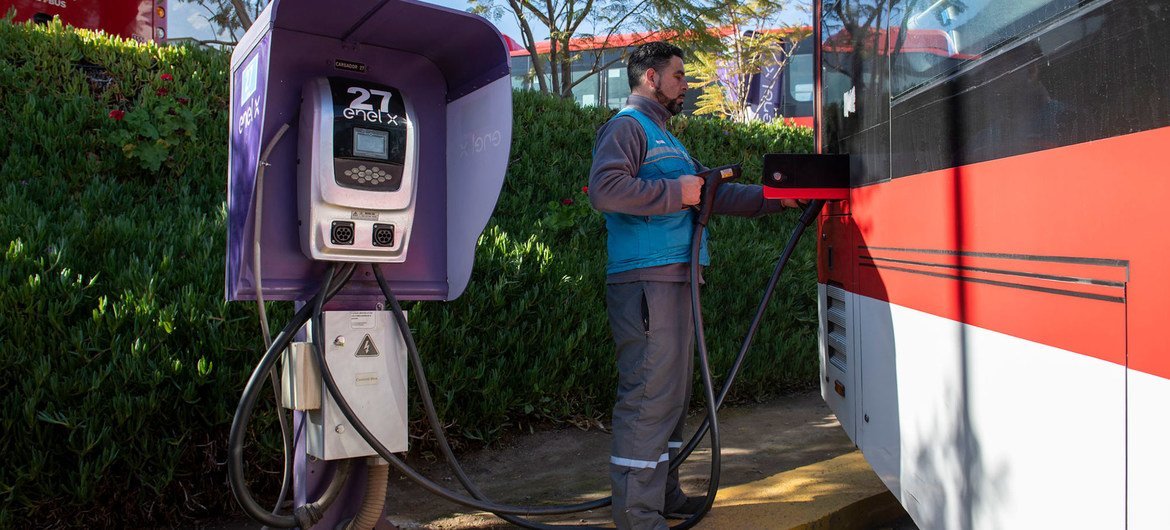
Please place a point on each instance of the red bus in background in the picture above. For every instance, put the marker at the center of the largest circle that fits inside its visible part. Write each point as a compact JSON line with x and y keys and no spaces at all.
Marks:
{"x":776,"y":92}
{"x":140,"y":20}
{"x":785,"y":92}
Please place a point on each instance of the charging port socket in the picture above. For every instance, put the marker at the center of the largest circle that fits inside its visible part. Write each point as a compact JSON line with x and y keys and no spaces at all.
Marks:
{"x":341,"y":233}
{"x":383,"y":235}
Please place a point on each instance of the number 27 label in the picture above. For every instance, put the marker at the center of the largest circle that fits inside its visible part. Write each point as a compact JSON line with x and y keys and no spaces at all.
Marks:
{"x":363,"y":95}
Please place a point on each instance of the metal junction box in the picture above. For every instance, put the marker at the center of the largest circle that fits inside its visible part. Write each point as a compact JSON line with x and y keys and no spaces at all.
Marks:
{"x":367,"y":356}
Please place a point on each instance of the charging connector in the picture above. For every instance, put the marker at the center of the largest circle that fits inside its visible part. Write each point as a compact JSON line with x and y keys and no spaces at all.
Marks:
{"x":383,"y":235}
{"x":341,"y":233}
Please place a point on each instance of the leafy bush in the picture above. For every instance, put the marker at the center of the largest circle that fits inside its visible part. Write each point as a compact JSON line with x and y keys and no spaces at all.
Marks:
{"x":529,"y":340}
{"x":120,"y":362}
{"x":119,"y":358}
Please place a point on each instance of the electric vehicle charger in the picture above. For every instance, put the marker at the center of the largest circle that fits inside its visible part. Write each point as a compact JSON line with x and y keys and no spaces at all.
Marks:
{"x":303,"y":516}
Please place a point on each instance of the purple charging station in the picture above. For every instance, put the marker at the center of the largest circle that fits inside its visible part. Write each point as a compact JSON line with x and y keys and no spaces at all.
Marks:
{"x":454,"y":69}
{"x":453,"y":66}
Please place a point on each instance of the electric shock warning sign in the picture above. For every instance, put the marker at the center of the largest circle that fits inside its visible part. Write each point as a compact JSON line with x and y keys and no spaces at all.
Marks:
{"x":367,"y":348}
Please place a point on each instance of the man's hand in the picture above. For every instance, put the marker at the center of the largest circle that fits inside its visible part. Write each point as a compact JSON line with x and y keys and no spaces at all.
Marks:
{"x":692,"y":189}
{"x":793,"y":203}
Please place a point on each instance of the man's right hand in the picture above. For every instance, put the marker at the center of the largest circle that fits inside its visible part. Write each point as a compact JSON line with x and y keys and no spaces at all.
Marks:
{"x":692,"y":189}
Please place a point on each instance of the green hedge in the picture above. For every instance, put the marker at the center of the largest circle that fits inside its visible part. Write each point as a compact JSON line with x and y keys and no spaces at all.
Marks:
{"x":120,"y":362}
{"x":529,"y":340}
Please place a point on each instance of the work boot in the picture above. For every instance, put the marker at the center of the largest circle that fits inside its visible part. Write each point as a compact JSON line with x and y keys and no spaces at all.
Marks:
{"x":689,"y":507}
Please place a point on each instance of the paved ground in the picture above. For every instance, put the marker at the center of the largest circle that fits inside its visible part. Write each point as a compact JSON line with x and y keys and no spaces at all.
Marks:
{"x":786,"y":465}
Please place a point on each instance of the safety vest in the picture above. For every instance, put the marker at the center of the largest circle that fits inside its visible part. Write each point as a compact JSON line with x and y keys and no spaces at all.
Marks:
{"x":640,"y":241}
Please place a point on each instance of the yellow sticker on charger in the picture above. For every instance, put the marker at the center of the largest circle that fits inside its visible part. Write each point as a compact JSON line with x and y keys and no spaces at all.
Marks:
{"x":727,"y":173}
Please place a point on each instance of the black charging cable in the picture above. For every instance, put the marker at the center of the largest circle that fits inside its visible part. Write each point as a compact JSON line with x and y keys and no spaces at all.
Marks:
{"x":507,"y":512}
{"x":807,"y":217}
{"x":247,"y":405}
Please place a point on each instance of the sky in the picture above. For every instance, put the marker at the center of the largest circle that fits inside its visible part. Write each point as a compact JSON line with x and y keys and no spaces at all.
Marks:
{"x":190,"y":20}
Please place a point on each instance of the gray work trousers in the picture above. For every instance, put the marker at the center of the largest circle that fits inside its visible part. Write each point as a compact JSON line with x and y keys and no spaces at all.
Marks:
{"x":654,"y":334}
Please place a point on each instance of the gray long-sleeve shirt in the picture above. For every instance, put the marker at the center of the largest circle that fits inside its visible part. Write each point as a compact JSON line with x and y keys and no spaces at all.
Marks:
{"x":614,"y":185}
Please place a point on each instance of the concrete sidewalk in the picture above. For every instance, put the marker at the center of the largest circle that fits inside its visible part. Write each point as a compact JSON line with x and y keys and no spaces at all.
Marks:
{"x":840,"y":493}
{"x":786,"y":465}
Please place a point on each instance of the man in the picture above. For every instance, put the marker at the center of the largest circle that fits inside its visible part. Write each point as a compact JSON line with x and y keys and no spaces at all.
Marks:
{"x":643,"y":179}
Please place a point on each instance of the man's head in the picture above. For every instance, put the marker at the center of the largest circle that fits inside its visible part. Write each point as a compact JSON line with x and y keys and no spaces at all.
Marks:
{"x":656,"y":71}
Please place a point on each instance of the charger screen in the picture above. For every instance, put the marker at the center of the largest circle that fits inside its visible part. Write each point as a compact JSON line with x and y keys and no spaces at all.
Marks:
{"x":371,"y":143}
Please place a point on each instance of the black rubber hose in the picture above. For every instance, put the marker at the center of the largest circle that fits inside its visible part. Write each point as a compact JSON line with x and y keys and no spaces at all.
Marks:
{"x":310,"y":514}
{"x":440,"y":435}
{"x":710,"y":424}
{"x":440,"y":432}
{"x":247,"y":404}
{"x":382,"y":451}
{"x":806,"y":218}
{"x":244,"y":415}
{"x":436,"y":425}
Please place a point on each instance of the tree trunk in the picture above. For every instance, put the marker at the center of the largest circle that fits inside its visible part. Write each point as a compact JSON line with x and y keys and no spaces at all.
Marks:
{"x":242,"y":14}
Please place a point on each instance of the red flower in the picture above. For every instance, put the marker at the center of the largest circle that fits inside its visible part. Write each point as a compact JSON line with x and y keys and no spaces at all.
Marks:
{"x":166,"y":77}
{"x":184,"y":101}
{"x":566,"y":202}
{"x":117,"y":114}
{"x":162,"y":91}
{"x":585,"y":189}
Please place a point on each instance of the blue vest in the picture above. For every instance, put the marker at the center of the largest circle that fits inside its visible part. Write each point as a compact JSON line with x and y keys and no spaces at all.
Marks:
{"x":640,"y":241}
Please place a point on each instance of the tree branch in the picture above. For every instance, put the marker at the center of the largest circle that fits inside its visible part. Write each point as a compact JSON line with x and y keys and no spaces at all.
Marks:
{"x":242,"y":14}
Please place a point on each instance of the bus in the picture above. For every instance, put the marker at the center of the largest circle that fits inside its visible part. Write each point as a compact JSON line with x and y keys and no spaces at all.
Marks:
{"x":140,"y":20}
{"x":993,"y":294}
{"x":779,"y":91}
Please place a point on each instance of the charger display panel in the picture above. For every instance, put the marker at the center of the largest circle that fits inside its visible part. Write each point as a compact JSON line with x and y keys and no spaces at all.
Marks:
{"x":357,"y":170}
{"x":370,"y":135}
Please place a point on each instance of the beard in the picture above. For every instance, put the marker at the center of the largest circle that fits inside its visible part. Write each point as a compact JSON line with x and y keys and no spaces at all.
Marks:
{"x":672,"y":105}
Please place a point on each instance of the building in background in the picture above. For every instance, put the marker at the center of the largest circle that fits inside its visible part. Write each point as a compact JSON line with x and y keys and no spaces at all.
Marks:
{"x":776,"y":92}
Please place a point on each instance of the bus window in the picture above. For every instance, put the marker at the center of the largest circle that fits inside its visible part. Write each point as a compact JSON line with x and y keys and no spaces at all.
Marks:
{"x":931,"y":39}
{"x":522,"y":77}
{"x":800,"y":78}
{"x":617,"y":87}
{"x":855,"y":86}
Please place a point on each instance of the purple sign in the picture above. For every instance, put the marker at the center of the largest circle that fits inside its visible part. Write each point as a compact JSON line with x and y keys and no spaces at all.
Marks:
{"x":764,"y":108}
{"x":249,"y":90}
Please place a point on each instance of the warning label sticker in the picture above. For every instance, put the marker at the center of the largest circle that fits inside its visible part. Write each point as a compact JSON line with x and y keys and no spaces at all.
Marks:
{"x":362,"y":320}
{"x":367,"y":348}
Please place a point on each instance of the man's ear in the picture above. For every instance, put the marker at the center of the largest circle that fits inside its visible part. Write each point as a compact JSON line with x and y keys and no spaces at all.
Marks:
{"x":651,"y":78}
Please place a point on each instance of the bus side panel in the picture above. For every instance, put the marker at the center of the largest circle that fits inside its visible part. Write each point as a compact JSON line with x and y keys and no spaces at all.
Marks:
{"x":133,"y":19}
{"x":1035,"y":380}
{"x":1149,"y":463}
{"x":837,"y":348}
{"x":958,"y":429}
{"x":837,"y":338}
{"x":1011,"y":275}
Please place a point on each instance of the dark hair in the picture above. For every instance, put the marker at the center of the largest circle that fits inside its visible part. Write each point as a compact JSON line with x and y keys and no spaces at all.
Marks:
{"x":650,"y":55}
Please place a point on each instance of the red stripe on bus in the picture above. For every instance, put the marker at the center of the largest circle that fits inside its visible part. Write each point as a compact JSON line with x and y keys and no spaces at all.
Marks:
{"x":1096,"y":200}
{"x":799,"y":121}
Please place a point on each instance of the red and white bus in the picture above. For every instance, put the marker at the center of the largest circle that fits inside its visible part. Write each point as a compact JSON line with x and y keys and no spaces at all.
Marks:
{"x":140,"y":20}
{"x":995,"y":293}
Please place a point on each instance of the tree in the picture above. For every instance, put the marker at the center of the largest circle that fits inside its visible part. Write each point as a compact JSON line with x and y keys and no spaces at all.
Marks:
{"x":594,"y":24}
{"x":750,"y":46}
{"x":230,"y":17}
